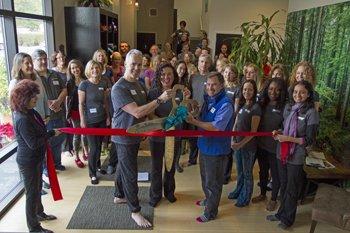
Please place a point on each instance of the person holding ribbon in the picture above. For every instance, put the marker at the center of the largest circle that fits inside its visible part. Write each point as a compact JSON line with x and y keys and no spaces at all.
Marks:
{"x":32,"y":138}
{"x":247,"y":120}
{"x":130,"y":105}
{"x":216,"y":114}
{"x":301,"y":120}
{"x":94,"y":113}
{"x":272,"y":102}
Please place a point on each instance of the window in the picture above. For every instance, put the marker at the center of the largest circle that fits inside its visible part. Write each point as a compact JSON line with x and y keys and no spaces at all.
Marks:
{"x":25,"y":25}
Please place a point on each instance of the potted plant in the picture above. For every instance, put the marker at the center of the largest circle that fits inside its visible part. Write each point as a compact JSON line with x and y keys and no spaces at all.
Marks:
{"x":260,"y":43}
{"x":95,"y":3}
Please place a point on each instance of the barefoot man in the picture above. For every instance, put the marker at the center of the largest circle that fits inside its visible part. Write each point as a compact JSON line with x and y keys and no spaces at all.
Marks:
{"x":129,"y":100}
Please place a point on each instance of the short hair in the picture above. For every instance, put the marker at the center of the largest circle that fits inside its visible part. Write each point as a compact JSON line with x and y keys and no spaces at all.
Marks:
{"x":16,"y":71}
{"x":218,"y":75}
{"x":38,"y":53}
{"x":132,"y":53}
{"x":309,"y":71}
{"x":183,"y":23}
{"x":22,"y":93}
{"x":94,"y":57}
{"x":89,"y":66}
{"x":159,"y":72}
{"x":53,"y":58}
{"x":206,"y":57}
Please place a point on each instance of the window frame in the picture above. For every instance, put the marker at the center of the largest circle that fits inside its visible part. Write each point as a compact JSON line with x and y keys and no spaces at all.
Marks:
{"x":9,"y":15}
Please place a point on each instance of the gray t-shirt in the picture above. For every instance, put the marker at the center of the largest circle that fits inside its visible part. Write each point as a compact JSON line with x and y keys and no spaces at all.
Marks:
{"x":54,"y":85}
{"x":198,"y":88}
{"x":271,"y":119}
{"x":123,"y":93}
{"x":94,"y":101}
{"x":306,"y":121}
{"x":244,"y":122}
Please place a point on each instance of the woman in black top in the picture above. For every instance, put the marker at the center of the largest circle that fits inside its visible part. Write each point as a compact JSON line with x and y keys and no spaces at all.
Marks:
{"x":272,"y":104}
{"x":75,"y":75}
{"x":32,"y":138}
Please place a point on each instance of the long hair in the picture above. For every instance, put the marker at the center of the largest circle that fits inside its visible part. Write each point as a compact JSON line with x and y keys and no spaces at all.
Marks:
{"x":185,"y":77}
{"x":105,"y":59}
{"x":242,"y":100}
{"x":309,"y":103}
{"x":281,"y":67}
{"x":16,"y":71}
{"x":159,"y":73}
{"x":22,"y":94}
{"x":78,"y":63}
{"x":309,"y":72}
{"x":53,"y":58}
{"x":281,"y":98}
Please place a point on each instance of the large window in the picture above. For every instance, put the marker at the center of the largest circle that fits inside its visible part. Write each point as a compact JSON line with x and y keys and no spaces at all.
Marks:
{"x":25,"y":25}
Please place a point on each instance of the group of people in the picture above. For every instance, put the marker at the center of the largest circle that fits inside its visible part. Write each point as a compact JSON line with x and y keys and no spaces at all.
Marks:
{"x":136,"y":87}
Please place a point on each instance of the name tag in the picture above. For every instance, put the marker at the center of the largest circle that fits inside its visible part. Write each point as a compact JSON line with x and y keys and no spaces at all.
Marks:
{"x":230,"y":92}
{"x":143,"y":92}
{"x":212,"y":110}
{"x":275,"y":110}
{"x":247,"y":111}
{"x":240,"y":111}
{"x":133,"y":92}
{"x":301,"y":118}
{"x":55,"y":82}
{"x":101,"y":88}
{"x":93,"y":110}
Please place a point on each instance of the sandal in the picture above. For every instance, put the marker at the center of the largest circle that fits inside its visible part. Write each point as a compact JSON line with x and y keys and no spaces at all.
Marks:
{"x":79,"y":163}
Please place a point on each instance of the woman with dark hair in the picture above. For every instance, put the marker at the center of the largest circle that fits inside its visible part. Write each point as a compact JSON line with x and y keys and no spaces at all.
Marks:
{"x":166,"y":78}
{"x":247,"y":120}
{"x":75,"y":75}
{"x":182,"y":73}
{"x":272,"y":103}
{"x":32,"y":139}
{"x":301,"y":121}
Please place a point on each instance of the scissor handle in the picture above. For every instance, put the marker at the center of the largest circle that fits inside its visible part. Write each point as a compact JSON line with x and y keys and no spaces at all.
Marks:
{"x":177,"y":87}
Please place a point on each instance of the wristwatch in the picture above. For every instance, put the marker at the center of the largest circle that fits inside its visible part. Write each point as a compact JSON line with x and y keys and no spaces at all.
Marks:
{"x":159,"y":101}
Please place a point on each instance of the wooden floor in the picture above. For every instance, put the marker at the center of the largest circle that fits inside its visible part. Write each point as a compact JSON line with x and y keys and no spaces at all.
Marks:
{"x":176,"y":217}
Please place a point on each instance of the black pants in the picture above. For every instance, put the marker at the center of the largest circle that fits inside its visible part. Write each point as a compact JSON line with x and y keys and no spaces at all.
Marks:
{"x":268,"y":160}
{"x":126,"y":175}
{"x":291,"y":177}
{"x":32,"y":180}
{"x":113,"y":157}
{"x":193,"y":150}
{"x":168,"y":181}
{"x":212,"y":175}
{"x":228,"y":166}
{"x":95,"y":143}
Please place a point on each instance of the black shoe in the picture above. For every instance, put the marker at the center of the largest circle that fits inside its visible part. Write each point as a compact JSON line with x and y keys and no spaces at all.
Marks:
{"x":110,"y":170}
{"x":191,"y":163}
{"x":171,"y":198}
{"x":43,"y":192}
{"x":46,"y":217}
{"x":282,"y":226}
{"x":46,"y":185}
{"x":272,"y":218}
{"x":94,"y":180}
{"x":240,"y":205}
{"x":153,"y":203}
{"x":232,"y":196}
{"x":226,"y":181}
{"x":102,"y":171}
{"x":41,"y":230}
{"x":179,"y":169}
{"x":60,"y":167}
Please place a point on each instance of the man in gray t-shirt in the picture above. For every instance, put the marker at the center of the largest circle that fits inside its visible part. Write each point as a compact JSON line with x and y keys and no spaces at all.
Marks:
{"x":129,"y":100}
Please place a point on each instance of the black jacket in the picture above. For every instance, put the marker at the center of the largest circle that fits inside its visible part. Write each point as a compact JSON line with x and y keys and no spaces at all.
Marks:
{"x":31,"y":137}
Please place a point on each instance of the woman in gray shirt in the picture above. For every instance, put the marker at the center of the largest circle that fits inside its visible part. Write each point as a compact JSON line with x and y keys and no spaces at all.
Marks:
{"x":300,"y":124}
{"x":93,"y":110}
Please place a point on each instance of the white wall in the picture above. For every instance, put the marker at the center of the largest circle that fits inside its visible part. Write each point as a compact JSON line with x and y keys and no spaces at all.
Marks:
{"x":190,"y":11}
{"x":226,"y":16}
{"x":297,"y":5}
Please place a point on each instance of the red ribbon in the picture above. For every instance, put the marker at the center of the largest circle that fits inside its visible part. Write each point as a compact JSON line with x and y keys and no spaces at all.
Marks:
{"x":161,"y":133}
{"x":55,"y":186}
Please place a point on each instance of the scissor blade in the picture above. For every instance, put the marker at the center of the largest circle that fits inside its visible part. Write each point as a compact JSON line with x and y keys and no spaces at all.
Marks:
{"x":146,"y":126}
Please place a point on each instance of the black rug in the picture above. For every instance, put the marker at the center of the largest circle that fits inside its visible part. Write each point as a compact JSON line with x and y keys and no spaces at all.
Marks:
{"x":144,"y":164}
{"x":96,"y":210}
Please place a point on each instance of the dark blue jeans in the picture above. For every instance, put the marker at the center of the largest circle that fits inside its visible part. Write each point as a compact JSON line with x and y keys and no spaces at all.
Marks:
{"x":244,"y":163}
{"x":56,"y":142}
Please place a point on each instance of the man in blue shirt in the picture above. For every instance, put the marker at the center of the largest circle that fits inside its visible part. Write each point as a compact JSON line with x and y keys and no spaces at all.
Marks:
{"x":216,"y":114}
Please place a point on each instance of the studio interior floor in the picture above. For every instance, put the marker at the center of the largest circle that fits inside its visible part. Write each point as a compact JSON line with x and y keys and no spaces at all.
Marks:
{"x":177,"y":217}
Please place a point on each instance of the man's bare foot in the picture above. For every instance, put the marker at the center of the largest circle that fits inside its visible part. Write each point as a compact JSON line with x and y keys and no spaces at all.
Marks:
{"x":140,"y":220}
{"x":118,"y":200}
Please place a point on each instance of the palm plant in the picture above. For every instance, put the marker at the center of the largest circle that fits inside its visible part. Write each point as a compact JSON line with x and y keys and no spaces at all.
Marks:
{"x":260,"y":43}
{"x":95,"y":3}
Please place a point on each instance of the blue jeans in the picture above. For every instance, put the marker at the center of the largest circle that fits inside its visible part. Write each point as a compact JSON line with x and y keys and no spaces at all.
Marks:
{"x":56,"y":141}
{"x":244,"y":163}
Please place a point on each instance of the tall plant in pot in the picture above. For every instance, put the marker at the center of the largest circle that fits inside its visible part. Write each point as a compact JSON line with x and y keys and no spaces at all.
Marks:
{"x":260,"y":43}
{"x":95,"y":3}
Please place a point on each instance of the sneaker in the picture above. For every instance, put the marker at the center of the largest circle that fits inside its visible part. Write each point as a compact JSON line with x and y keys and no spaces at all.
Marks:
{"x":41,"y":230}
{"x":202,"y":219}
{"x":60,"y":167}
{"x":258,"y":199}
{"x":110,"y":170}
{"x":271,"y":205}
{"x":79,"y":163}
{"x":179,"y":169}
{"x":94,"y":180}
{"x":46,"y":185}
{"x":240,"y":205}
{"x":119,"y":200}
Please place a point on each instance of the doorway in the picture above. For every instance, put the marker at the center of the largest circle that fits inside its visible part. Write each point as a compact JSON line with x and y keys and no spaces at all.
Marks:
{"x":145,"y":40}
